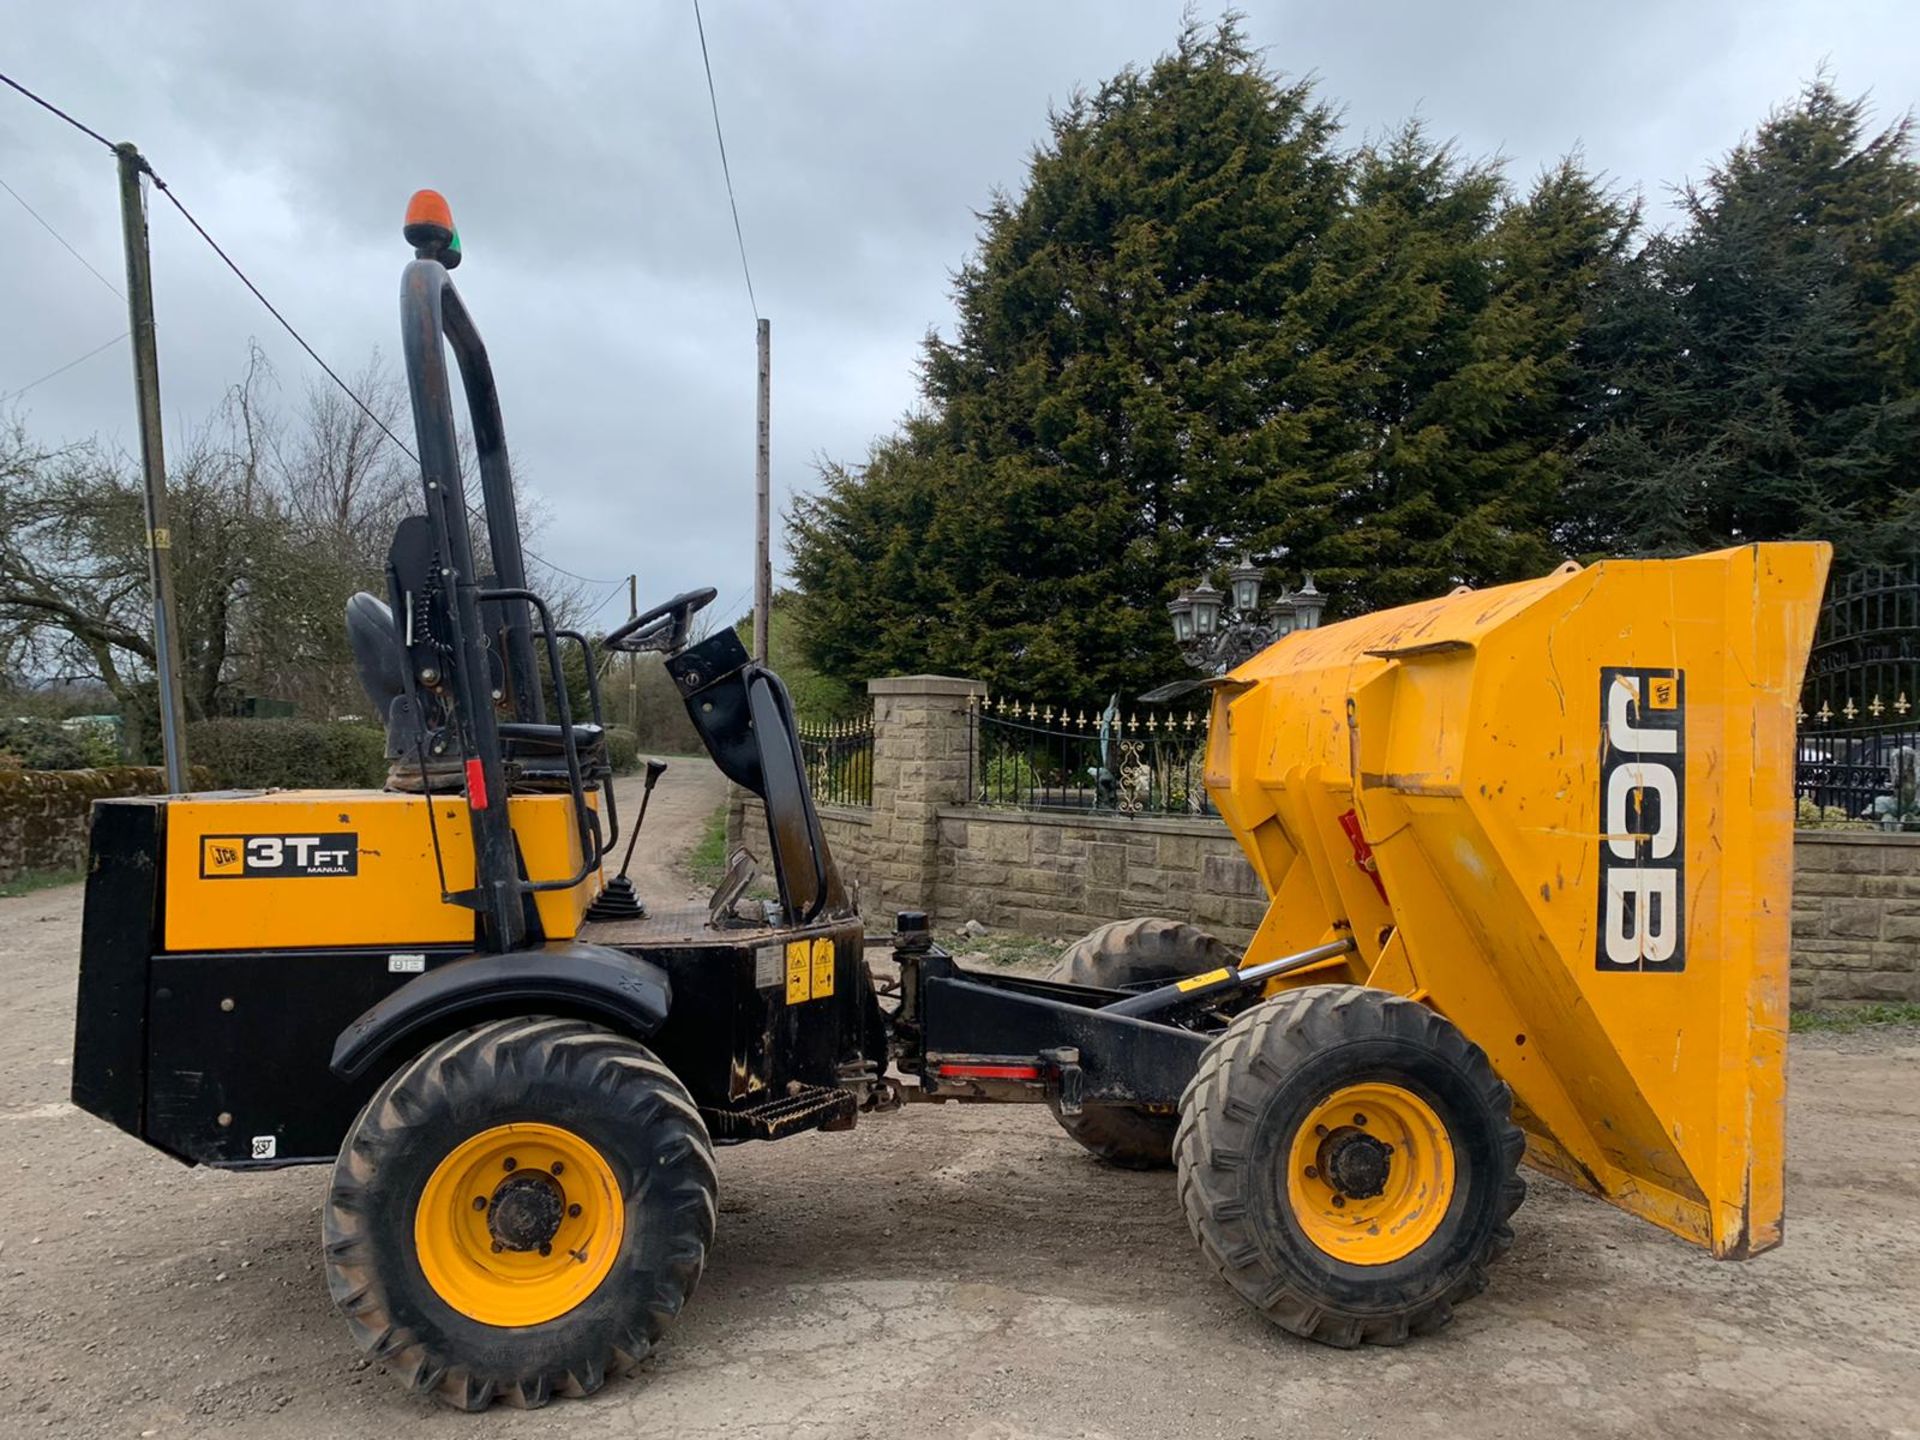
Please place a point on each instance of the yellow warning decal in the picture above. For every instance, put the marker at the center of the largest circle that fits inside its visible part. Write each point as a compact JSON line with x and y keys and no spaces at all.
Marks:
{"x":1212,"y":977}
{"x":822,"y":968}
{"x":799,"y":972}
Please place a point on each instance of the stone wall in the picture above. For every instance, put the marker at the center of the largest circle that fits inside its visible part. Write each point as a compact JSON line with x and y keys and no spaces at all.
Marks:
{"x":1856,"y":904}
{"x":45,"y":814}
{"x":1856,"y":918}
{"x":1065,"y":875}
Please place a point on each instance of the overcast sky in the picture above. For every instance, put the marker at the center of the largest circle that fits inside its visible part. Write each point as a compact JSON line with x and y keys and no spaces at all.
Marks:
{"x":575,"y":144}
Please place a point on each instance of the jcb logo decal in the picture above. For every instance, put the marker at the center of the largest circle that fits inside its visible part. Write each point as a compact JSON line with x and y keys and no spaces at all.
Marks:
{"x":1643,"y":817}
{"x":238,"y":857}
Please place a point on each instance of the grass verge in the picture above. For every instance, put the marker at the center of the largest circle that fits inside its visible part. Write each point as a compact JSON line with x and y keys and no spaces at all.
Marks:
{"x":1005,"y":948}
{"x":707,"y":861}
{"x":28,"y":881}
{"x":1857,"y":1017}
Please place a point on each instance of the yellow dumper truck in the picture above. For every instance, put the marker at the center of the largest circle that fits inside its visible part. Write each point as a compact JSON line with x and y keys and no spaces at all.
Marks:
{"x":1529,"y":853}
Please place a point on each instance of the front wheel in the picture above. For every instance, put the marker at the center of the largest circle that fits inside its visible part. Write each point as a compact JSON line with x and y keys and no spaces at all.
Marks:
{"x":519,"y":1210}
{"x":1348,"y":1163}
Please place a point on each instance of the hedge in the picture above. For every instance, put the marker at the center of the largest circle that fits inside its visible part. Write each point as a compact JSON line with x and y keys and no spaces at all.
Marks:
{"x":623,"y":748}
{"x":289,"y":754}
{"x":44,"y":814}
{"x":33,"y":743}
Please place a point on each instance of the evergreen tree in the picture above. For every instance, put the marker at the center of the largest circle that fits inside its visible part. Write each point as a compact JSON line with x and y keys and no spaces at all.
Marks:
{"x":1114,"y":403}
{"x":1200,"y":326}
{"x":1764,"y":362}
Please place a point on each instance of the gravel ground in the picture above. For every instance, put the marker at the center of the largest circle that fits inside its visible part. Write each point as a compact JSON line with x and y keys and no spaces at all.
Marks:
{"x":954,"y":1272}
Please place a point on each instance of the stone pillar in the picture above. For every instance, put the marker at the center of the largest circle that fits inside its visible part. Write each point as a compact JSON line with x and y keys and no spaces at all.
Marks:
{"x":921,"y":740}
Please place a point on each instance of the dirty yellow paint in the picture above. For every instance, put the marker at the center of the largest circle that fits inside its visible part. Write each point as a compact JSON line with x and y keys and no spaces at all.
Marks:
{"x":1578,"y":794}
{"x":286,"y":869}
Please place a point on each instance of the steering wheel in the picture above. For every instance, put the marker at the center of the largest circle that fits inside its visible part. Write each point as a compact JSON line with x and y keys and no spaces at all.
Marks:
{"x":664,"y":627}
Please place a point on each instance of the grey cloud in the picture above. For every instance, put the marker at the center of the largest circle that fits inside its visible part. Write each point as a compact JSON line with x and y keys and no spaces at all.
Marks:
{"x":576,"y":146}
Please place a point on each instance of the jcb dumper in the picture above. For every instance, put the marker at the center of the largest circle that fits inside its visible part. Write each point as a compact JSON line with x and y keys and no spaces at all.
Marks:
{"x":1529,"y":853}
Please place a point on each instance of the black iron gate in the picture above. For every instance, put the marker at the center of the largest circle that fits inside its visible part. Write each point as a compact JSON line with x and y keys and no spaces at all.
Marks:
{"x":1859,"y":743}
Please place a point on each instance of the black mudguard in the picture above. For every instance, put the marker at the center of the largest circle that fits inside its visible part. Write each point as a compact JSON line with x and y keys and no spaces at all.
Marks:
{"x":623,"y":991}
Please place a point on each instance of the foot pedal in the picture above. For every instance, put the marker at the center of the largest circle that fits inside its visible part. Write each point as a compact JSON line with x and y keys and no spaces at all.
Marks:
{"x":807,"y":1108}
{"x":617,"y":901}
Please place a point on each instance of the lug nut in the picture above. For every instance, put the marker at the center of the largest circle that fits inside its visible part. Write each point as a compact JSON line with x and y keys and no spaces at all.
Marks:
{"x":510,"y":1163}
{"x":1359,"y":1119}
{"x":1320,"y":1130}
{"x":479,"y":1202}
{"x":1339,"y":1201}
{"x":498,"y":1247}
{"x":545,"y":1248}
{"x":573,"y":1212}
{"x":559,"y":1167}
{"x":1313,"y":1172}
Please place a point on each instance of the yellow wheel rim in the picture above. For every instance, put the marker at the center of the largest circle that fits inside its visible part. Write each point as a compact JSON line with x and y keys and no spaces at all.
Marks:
{"x":519,"y":1224}
{"x":1370,"y":1174}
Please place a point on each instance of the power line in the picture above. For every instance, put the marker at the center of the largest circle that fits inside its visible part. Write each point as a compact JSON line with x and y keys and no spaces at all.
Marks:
{"x":592,"y":614}
{"x":572,"y":575}
{"x":44,"y":225}
{"x":49,"y":105}
{"x":714,"y":101}
{"x":285,"y":324}
{"x":271,"y":309}
{"x":51,"y":374}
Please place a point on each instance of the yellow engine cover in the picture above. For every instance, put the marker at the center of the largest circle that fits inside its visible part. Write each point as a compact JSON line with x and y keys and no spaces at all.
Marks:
{"x":1578,"y":797}
{"x":291,"y":869}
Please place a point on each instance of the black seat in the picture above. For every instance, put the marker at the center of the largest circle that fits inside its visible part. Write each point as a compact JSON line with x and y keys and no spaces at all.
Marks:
{"x":536,"y":754}
{"x":528,"y":740}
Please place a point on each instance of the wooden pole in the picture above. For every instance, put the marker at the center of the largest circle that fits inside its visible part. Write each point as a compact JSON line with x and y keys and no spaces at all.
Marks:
{"x":153,"y":464}
{"x":763,"y":520}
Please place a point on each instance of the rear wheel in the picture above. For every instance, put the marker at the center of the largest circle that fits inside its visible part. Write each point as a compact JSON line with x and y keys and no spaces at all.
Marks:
{"x":521,"y":1209}
{"x":1348,"y":1163}
{"x":1132,"y":955}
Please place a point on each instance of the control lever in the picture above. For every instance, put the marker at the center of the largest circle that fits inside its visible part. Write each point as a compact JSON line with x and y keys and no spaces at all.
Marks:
{"x":618,"y":900}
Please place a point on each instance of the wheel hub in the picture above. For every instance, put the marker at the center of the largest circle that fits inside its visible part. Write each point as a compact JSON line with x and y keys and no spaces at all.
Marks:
{"x":525,"y":1211}
{"x":1357,"y":1164}
{"x":1370,"y":1173}
{"x":519,"y":1223}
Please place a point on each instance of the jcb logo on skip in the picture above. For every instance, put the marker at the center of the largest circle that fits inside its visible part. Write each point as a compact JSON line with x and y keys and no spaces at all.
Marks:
{"x":1643,"y":753}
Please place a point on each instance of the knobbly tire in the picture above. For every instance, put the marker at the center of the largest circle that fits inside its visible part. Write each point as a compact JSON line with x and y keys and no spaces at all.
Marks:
{"x":1131,"y":954}
{"x":1348,"y":1163}
{"x":565,"y":1146}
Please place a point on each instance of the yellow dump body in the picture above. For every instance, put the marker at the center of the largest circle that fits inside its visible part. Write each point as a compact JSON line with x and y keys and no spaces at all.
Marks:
{"x":1560,"y":813}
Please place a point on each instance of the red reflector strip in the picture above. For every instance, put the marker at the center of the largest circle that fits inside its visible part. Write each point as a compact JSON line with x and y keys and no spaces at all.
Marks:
{"x":476,"y":784}
{"x":991,"y":1072}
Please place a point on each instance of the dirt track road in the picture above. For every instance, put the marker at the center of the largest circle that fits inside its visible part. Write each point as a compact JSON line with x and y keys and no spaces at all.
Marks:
{"x":953,"y":1272}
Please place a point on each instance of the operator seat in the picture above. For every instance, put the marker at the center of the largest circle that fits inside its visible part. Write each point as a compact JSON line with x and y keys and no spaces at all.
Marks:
{"x":534,"y":754}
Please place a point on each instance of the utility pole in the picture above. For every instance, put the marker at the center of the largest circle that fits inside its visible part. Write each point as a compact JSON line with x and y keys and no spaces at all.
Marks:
{"x":762,"y":555}
{"x":633,"y":660}
{"x":153,"y":462}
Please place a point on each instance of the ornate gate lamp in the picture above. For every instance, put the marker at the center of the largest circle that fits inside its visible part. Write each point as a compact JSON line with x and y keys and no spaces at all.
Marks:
{"x":1214,"y":637}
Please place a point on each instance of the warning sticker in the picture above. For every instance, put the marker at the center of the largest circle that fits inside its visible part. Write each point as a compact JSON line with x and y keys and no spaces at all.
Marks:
{"x":822,"y":968}
{"x":799,"y":972}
